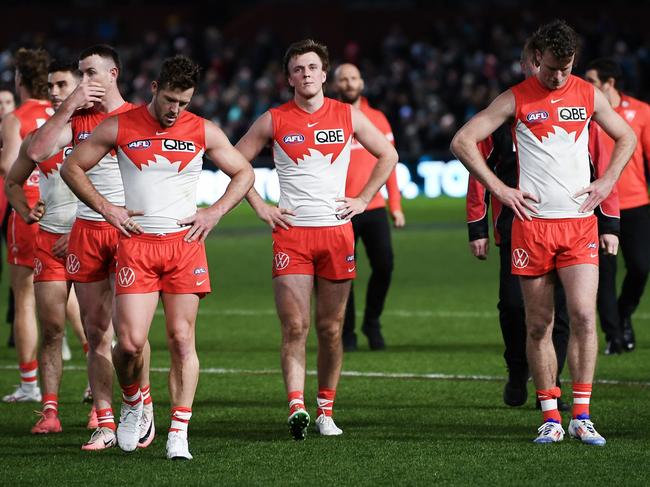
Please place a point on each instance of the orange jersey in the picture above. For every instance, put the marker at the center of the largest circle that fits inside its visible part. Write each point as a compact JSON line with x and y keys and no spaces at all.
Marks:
{"x":552,"y":137}
{"x":363,"y":162}
{"x":32,"y":114}
{"x":633,"y":185}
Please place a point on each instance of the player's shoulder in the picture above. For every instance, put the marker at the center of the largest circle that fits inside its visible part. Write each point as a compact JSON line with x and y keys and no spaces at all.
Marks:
{"x":286,"y":107}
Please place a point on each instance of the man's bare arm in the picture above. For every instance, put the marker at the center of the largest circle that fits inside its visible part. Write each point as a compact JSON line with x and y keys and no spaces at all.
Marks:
{"x":231,"y":162}
{"x":378,"y":145}
{"x":625,"y":143}
{"x":11,"y":141}
{"x":18,"y":174}
{"x":465,"y":147}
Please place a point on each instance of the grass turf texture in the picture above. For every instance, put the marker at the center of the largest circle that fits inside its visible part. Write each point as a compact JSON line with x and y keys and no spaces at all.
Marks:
{"x":440,"y":318}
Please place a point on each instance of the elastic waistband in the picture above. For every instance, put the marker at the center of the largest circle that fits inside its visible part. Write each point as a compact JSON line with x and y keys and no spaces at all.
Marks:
{"x":564,"y":220}
{"x":156,"y":237}
{"x":47,"y":234}
{"x":96,"y":225}
{"x":314,"y":229}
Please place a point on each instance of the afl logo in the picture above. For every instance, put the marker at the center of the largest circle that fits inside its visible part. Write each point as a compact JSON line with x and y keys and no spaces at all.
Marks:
{"x":38,"y":267}
{"x":520,"y":258}
{"x":125,"y":277}
{"x":280,"y":260}
{"x":293,"y":139}
{"x":537,"y":116}
{"x":83,"y":135}
{"x":72,"y":264}
{"x":139,"y":144}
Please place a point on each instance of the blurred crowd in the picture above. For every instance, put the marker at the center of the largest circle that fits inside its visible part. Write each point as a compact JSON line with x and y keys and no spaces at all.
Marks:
{"x":427,"y":85}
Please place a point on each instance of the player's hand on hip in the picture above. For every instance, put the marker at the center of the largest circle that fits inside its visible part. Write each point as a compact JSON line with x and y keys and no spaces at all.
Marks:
{"x":202,"y":222}
{"x":398,"y":219}
{"x":480,"y":248}
{"x":609,"y":244}
{"x":350,"y":207}
{"x":275,"y":216}
{"x":120,"y":218}
{"x":517,"y":201}
{"x":60,"y":247}
{"x":36,"y":213}
{"x":597,"y":191}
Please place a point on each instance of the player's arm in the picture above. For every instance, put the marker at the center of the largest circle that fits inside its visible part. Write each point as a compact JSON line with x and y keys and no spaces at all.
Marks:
{"x":376,"y":143}
{"x":219,"y":149}
{"x":465,"y":147}
{"x":56,"y":133}
{"x":477,"y":203}
{"x":18,"y":174}
{"x":392,"y":188}
{"x":250,"y":145}
{"x":11,"y":141}
{"x":625,"y":142}
{"x":84,"y":157}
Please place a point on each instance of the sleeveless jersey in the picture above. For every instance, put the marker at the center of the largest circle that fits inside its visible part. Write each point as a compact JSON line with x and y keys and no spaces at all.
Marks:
{"x":60,"y":201}
{"x":105,"y":176}
{"x":552,"y":137}
{"x":32,"y":114}
{"x":311,"y":152}
{"x":160,"y":167}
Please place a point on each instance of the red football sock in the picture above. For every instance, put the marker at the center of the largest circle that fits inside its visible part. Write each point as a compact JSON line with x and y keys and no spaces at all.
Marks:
{"x":548,"y":400}
{"x":325,"y":401}
{"x":296,"y":401}
{"x":146,"y":394}
{"x":50,"y":404}
{"x":131,"y":394}
{"x":105,"y":418}
{"x":581,"y":399}
{"x":180,"y":419}
{"x":29,"y":373}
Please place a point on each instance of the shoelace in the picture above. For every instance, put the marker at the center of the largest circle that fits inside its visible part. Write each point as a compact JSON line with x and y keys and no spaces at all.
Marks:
{"x":546,"y":428}
{"x":589,"y":426}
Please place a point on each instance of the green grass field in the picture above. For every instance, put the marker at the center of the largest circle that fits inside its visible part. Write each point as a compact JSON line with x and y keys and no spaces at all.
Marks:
{"x":404,"y":429}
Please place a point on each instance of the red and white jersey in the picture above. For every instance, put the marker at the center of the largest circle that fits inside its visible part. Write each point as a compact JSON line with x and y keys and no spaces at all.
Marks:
{"x":105,"y":176}
{"x":312,"y":154}
{"x":60,"y":201}
{"x":32,"y":114}
{"x":160,"y":167}
{"x":552,"y":137}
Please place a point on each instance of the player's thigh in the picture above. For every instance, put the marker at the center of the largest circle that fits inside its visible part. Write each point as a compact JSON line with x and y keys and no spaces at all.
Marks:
{"x":538,"y":294}
{"x":180,"y":315}
{"x":293,"y":297}
{"x":133,"y":316}
{"x":51,"y":300}
{"x":95,"y":302}
{"x":580,"y":283}
{"x":331,"y":297}
{"x":22,"y":282}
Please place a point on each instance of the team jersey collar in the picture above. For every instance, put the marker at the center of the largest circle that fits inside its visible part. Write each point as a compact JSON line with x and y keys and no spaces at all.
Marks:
{"x":559,"y":91}
{"x":315,"y":114}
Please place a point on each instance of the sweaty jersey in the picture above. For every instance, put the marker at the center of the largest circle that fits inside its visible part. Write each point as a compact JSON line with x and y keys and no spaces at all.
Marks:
{"x":105,"y":176}
{"x":60,"y":201}
{"x":633,"y":185}
{"x":32,"y":114}
{"x":551,"y":134}
{"x":311,"y":152}
{"x":160,"y":167}
{"x":363,"y":162}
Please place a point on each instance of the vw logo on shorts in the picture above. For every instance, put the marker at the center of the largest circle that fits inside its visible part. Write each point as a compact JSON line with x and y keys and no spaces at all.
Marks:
{"x":38,"y":266}
{"x":72,"y":264}
{"x":520,"y":258}
{"x":125,"y":276}
{"x":280,"y":260}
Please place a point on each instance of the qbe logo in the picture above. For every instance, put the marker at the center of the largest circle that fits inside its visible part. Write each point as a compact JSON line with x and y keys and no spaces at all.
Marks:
{"x":125,"y":276}
{"x":72,"y":264}
{"x":572,"y":114}
{"x":537,"y":116}
{"x":170,"y":145}
{"x":139,"y":144}
{"x":280,"y":261}
{"x":293,"y":139}
{"x":328,"y":136}
{"x":520,"y":258}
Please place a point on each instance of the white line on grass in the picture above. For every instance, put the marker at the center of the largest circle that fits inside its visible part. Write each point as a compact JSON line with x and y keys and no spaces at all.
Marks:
{"x":355,"y":373}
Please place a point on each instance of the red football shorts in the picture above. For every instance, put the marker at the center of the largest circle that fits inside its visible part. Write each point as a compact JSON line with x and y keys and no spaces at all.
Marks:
{"x":541,"y":245}
{"x":21,"y":238}
{"x":326,"y":252}
{"x":148,"y":263}
{"x":47,"y":267}
{"x":91,"y":251}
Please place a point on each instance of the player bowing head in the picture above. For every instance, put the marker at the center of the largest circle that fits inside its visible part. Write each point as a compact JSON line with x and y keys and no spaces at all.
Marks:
{"x":173,"y":89}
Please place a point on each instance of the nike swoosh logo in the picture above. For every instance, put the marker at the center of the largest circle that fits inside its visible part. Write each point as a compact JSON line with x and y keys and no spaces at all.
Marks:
{"x":160,"y":133}
{"x":108,"y":442}
{"x":310,"y":125}
{"x":352,"y":270}
{"x":146,"y":436}
{"x":555,"y":101}
{"x":593,"y":255}
{"x":198,"y":283}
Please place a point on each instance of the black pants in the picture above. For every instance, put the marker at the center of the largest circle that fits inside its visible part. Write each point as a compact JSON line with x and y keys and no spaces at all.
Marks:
{"x":512,"y":318}
{"x":635,"y":247}
{"x":373,"y":228}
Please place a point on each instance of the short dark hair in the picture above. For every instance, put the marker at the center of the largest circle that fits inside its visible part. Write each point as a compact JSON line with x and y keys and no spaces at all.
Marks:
{"x":558,"y":37}
{"x":303,"y":47}
{"x":606,"y":68}
{"x":32,"y":66}
{"x":179,"y":73}
{"x":64,"y":65}
{"x":104,"y":51}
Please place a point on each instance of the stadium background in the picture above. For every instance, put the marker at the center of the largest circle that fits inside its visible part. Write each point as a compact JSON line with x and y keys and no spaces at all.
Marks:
{"x":429,"y":409}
